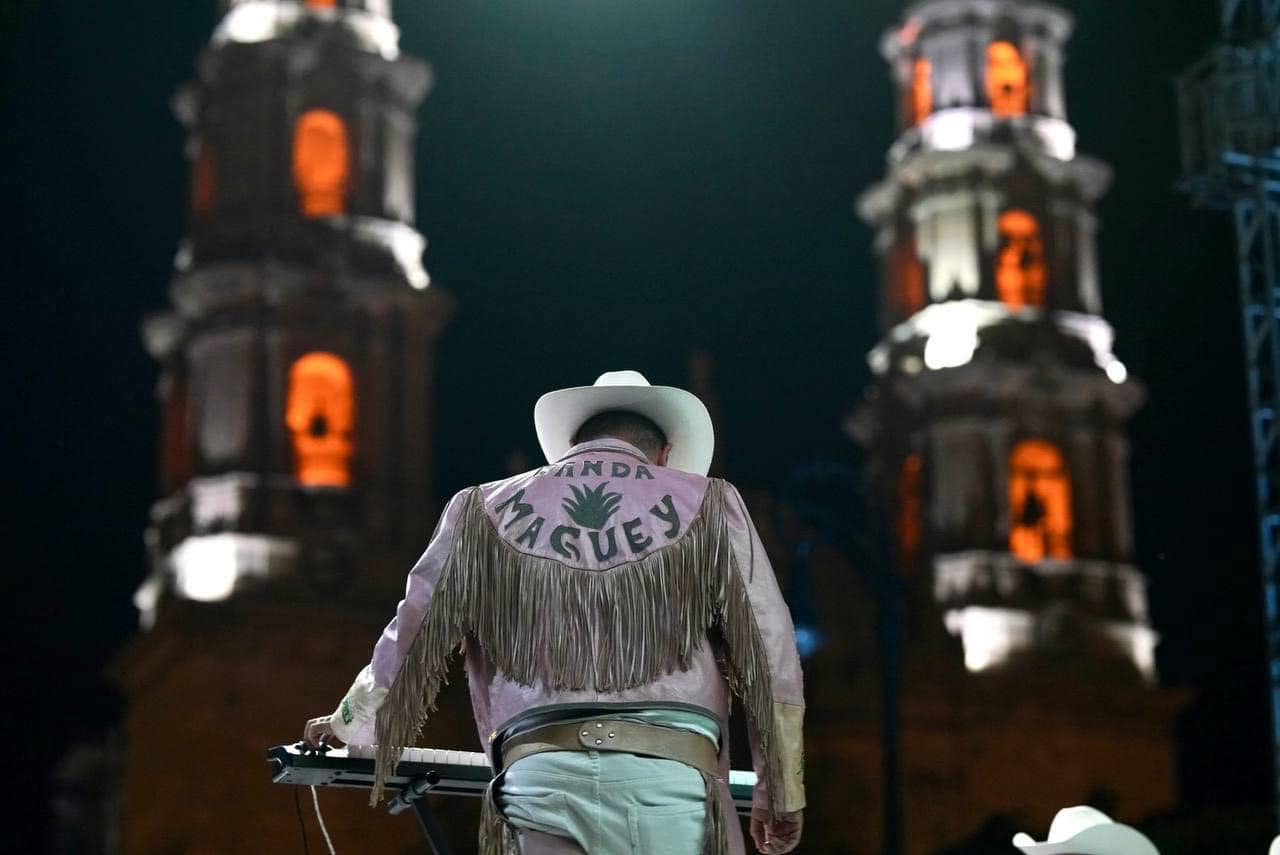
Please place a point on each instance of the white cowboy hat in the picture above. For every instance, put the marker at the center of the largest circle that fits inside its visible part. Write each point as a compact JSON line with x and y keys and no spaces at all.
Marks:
{"x":681,"y":416}
{"x":1275,"y":846}
{"x":1082,"y":830}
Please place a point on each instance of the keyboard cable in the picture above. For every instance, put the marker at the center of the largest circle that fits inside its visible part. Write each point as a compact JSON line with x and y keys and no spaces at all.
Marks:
{"x":297,"y":806}
{"x":316,"y":801}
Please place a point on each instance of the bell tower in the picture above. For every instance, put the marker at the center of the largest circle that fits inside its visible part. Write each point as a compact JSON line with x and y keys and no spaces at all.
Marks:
{"x":998,"y":411}
{"x":296,"y":400}
{"x":996,"y":426}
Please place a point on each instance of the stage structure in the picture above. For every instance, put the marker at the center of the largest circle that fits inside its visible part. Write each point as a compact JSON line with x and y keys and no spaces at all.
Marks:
{"x":296,"y":400}
{"x":1229,"y":107}
{"x":996,"y":422}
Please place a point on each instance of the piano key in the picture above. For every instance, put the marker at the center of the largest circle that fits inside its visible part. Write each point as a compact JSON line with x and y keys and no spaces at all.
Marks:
{"x":460,"y":772}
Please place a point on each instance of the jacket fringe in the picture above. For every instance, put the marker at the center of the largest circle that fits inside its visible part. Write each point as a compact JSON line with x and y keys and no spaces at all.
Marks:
{"x":569,"y":629}
{"x":496,"y":836}
{"x":715,"y":837}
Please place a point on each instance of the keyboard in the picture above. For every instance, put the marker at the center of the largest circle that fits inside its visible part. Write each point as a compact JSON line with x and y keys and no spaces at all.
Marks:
{"x":453,"y":773}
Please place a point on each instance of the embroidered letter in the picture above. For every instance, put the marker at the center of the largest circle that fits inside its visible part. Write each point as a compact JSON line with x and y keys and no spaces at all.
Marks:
{"x":642,"y":472}
{"x":531,"y":533}
{"x":613,"y":543}
{"x":522,"y":509}
{"x":592,"y":467}
{"x":637,"y":541}
{"x":570,"y":549}
{"x":620,"y":469}
{"x":667,"y":516}
{"x":565,"y":470}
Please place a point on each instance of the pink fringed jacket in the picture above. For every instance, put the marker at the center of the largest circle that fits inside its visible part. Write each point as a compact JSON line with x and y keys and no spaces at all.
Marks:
{"x":599,"y":580}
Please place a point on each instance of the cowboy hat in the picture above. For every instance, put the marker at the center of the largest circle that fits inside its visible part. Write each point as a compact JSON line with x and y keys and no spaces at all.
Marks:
{"x":1082,"y":830}
{"x":681,"y":416}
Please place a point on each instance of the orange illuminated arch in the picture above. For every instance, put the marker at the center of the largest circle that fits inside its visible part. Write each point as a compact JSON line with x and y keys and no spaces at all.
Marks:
{"x":1007,"y":88}
{"x":906,"y":278}
{"x":1039,"y":502}
{"x":320,"y":415}
{"x":1020,"y":268}
{"x":321,"y":162}
{"x":921,"y":91}
{"x":203,"y":181}
{"x":322,"y":4}
{"x":909,"y":526}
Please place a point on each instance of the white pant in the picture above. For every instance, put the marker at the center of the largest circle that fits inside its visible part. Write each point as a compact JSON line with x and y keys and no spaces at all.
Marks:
{"x":604,"y":803}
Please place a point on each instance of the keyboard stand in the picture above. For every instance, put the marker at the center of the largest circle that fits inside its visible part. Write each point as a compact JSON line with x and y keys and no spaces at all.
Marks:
{"x":412,"y":795}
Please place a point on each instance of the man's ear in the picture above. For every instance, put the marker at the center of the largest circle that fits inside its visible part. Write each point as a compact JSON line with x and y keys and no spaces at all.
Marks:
{"x":663,"y":455}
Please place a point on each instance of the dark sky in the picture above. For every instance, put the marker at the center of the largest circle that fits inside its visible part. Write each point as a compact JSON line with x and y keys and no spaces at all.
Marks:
{"x":604,"y":184}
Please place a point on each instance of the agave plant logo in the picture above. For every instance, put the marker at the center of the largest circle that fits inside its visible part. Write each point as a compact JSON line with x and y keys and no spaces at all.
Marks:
{"x":592,"y":507}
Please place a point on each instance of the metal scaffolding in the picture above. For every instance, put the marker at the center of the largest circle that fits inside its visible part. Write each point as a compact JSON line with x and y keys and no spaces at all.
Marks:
{"x":1229,"y":110}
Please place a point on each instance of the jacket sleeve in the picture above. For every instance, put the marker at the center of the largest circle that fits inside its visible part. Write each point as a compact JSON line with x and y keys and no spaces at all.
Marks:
{"x":355,"y":713}
{"x":776,"y":636}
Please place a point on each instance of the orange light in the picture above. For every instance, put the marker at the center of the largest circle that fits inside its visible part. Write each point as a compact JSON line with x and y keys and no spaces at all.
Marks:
{"x":906,"y":273}
{"x":1007,"y":89}
{"x":1039,"y":502}
{"x":322,"y":4}
{"x":203,"y":181}
{"x":321,"y":162}
{"x":921,"y":91}
{"x":1020,"y":268}
{"x":320,"y":415}
{"x":909,"y":480}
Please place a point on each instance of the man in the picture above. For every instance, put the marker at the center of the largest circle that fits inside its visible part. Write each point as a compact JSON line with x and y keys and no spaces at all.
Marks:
{"x":608,"y":604}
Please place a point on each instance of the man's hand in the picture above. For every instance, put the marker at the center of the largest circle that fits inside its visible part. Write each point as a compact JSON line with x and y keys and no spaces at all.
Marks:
{"x":781,"y":835}
{"x":318,"y":731}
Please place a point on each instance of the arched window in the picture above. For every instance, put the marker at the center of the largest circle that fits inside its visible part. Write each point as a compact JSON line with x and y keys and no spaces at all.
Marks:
{"x":906,"y":278}
{"x":1039,"y":502}
{"x":175,"y":438}
{"x":320,"y":415}
{"x":203,"y":181}
{"x":921,"y":91}
{"x":321,"y":162}
{"x":1007,"y":89}
{"x":1020,"y":270}
{"x":909,"y":518}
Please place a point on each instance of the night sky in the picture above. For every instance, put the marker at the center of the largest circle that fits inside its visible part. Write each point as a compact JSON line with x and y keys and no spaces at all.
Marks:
{"x":603,"y":185}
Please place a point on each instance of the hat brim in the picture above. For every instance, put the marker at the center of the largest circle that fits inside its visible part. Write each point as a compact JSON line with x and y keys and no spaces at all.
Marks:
{"x":680,"y":414}
{"x":1113,"y":838}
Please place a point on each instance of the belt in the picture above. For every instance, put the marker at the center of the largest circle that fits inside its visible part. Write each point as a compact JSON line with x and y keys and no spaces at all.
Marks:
{"x":633,"y":737}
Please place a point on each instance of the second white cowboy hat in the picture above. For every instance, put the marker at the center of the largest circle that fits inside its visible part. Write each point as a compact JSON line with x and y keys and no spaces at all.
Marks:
{"x":1083,"y":830}
{"x":681,"y":416}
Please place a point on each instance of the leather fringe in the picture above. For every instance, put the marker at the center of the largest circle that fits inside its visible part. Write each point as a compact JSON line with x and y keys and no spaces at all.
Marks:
{"x":569,"y":629}
{"x":496,"y":836}
{"x":715,"y":839}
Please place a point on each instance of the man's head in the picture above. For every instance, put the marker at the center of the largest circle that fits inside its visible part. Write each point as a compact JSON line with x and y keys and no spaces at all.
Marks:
{"x":629,"y":427}
{"x":685,"y":434}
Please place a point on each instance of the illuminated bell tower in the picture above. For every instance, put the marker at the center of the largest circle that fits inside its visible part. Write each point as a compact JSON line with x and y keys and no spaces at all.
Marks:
{"x":998,"y":411}
{"x":996,"y":423}
{"x":295,"y":390}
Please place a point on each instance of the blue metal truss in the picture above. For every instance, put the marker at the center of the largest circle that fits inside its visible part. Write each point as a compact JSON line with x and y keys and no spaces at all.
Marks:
{"x":1229,"y":107}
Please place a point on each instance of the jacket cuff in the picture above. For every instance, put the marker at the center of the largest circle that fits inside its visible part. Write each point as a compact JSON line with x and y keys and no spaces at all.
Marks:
{"x":358,"y":706}
{"x":789,"y":731}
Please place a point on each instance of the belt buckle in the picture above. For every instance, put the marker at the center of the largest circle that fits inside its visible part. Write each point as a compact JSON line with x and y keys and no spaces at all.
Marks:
{"x":596,"y":735}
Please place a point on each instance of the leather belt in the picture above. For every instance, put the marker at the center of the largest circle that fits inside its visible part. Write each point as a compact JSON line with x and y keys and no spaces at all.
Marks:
{"x":633,"y":737}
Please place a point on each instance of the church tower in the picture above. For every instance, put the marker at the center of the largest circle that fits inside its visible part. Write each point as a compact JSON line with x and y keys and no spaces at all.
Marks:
{"x":296,"y":400}
{"x":996,"y":426}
